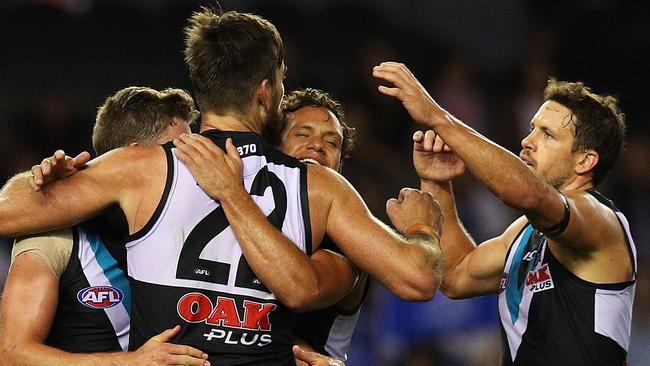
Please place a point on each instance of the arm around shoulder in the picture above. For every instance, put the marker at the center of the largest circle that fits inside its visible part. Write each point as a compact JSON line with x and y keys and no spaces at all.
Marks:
{"x":73,"y":199}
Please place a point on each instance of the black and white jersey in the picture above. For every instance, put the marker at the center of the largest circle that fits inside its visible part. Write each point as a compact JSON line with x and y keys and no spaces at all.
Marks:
{"x":94,"y":307}
{"x":186,"y":266}
{"x":329,"y":330}
{"x":549,"y":316}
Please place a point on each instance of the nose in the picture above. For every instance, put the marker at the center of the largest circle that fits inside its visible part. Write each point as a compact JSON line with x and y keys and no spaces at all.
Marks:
{"x":315,"y":143}
{"x":527,"y":142}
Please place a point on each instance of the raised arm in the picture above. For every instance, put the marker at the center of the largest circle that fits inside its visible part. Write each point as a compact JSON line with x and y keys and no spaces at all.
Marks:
{"x":302,"y":283}
{"x":503,"y":173}
{"x":468,"y":270}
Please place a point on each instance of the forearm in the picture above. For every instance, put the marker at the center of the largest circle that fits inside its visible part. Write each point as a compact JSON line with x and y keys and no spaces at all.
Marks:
{"x":455,"y":242}
{"x":503,"y":173}
{"x":60,"y":204}
{"x":38,"y":354}
{"x":278,"y":262}
{"x":14,"y":199}
{"x":411,"y":270}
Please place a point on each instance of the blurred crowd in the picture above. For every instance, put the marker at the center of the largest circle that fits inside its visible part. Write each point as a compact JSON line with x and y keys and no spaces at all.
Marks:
{"x":486,"y":62}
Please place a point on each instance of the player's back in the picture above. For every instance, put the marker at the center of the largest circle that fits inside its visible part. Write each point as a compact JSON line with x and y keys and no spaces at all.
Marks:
{"x":187,"y":267}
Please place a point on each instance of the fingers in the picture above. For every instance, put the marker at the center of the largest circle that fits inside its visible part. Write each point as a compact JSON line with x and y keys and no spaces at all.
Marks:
{"x":391,"y":202}
{"x":438,"y":145}
{"x":36,"y":178}
{"x":186,"y":352}
{"x":167,"y":334}
{"x":231,"y":150}
{"x":187,"y":361}
{"x":191,"y":151}
{"x":80,"y":160}
{"x":302,"y":355}
{"x":418,"y":136}
{"x":392,"y":92}
{"x":429,"y":139}
{"x":404,"y":192}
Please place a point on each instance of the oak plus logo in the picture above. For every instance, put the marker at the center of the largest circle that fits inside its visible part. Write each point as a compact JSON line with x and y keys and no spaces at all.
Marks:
{"x":245,"y":329}
{"x":540,"y":279}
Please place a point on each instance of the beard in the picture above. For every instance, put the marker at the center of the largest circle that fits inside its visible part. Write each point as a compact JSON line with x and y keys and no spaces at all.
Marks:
{"x":558,"y":179}
{"x":273,"y":127}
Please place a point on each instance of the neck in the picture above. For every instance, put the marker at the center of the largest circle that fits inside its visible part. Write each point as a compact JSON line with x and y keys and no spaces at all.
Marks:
{"x":577,"y":185}
{"x":229,"y":122}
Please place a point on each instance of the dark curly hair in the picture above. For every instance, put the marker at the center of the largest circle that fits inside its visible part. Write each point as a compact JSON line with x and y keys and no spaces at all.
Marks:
{"x":311,"y":97}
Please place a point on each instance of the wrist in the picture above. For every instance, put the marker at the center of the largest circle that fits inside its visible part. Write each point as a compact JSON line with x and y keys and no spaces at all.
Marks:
{"x":431,"y":185}
{"x":233,"y":194}
{"x":421,"y":229}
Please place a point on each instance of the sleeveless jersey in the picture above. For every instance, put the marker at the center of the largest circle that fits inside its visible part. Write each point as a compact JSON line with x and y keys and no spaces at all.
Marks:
{"x":94,"y":306}
{"x":329,"y":330}
{"x":549,"y":316}
{"x":186,"y":266}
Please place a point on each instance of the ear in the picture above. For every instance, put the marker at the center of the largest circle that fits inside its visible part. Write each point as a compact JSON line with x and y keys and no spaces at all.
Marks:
{"x":134,"y":143}
{"x":264,"y":93}
{"x":587,"y":161}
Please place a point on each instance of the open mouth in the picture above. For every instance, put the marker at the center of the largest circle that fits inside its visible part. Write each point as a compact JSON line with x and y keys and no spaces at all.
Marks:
{"x":310,"y":161}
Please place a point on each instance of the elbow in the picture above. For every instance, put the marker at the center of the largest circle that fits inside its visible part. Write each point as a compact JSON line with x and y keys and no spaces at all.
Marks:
{"x":418,"y":288}
{"x":8,"y":353}
{"x":300,"y":301}
{"x":451,"y":292}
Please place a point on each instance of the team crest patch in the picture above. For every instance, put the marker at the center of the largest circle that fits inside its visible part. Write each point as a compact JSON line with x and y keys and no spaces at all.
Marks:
{"x":100,"y":297}
{"x":539,"y":279}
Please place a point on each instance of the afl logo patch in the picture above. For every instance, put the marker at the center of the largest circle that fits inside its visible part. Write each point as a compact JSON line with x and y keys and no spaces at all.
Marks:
{"x":100,"y":297}
{"x":505,"y":279}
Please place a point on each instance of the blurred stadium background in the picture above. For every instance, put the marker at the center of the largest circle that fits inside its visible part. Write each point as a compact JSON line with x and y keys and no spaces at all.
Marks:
{"x":485,"y":61}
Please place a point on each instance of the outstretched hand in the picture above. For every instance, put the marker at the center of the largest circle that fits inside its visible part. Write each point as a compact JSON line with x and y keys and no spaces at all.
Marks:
{"x":433,"y":159}
{"x":314,"y":359}
{"x":56,"y":167}
{"x":158,"y":351}
{"x":415,"y":98}
{"x":218,"y":173}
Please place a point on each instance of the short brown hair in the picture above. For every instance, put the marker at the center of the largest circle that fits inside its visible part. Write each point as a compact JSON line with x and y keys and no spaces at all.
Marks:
{"x":139,"y":114}
{"x":228,"y":54}
{"x":310,"y":97}
{"x":599,"y":124}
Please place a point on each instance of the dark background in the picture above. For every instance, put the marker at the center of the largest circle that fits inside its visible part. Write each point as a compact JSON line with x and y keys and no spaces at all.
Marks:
{"x":485,"y":61}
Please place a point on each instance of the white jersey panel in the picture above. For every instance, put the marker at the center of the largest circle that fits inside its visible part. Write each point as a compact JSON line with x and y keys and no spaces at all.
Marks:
{"x":187,"y":204}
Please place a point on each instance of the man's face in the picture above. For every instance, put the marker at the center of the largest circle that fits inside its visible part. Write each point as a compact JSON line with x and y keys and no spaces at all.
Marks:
{"x":315,"y":135}
{"x":547,"y":148}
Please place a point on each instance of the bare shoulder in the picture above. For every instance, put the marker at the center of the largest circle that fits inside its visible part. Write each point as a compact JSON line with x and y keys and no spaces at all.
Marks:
{"x":131,"y":164}
{"x":323,"y":181}
{"x":592,"y":221}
